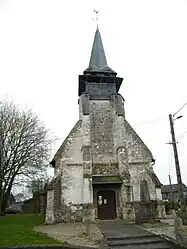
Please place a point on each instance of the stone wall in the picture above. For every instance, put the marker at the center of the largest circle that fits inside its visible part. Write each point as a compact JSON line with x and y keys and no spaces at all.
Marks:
{"x":102,"y":142}
{"x":161,"y":212}
{"x":70,"y":150}
{"x":145,"y":211}
{"x":158,"y":194}
{"x":137,"y":150}
{"x":50,"y":216}
{"x":72,"y":194}
{"x":103,"y":168}
{"x":72,"y":184}
{"x":129,"y":211}
{"x":101,"y":131}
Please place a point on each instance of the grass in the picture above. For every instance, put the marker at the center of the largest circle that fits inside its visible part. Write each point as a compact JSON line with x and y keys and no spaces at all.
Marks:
{"x":18,"y":230}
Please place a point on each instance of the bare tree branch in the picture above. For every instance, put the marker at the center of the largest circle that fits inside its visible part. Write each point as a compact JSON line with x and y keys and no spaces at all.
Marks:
{"x":24,"y":146}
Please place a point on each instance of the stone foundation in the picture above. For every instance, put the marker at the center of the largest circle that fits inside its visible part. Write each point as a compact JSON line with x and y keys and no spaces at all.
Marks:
{"x":49,"y":218}
{"x":88,"y":212}
{"x":129,"y":211}
{"x":71,"y":213}
{"x":145,"y":211}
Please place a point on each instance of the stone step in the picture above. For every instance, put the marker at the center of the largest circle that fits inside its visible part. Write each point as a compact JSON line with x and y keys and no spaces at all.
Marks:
{"x":135,"y":241}
{"x":122,"y":237}
{"x":160,"y":245}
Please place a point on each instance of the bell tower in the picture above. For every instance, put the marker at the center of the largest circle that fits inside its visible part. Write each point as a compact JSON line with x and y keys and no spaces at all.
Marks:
{"x":99,"y":81}
{"x":99,"y":104}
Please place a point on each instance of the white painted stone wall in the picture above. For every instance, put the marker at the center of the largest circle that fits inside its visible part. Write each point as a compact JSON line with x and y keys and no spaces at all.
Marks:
{"x":138,"y":173}
{"x":70,"y":150}
{"x":73,"y":153}
{"x":87,"y":191}
{"x":72,"y":184}
{"x":135,"y":181}
{"x":158,"y":194}
{"x":75,"y":189}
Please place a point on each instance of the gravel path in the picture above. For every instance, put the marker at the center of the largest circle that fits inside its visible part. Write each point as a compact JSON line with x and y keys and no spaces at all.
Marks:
{"x":72,"y":233}
{"x":169,"y":231}
{"x":166,"y":229}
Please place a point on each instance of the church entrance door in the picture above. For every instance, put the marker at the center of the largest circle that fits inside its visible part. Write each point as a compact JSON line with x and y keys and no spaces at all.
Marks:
{"x":106,"y":203}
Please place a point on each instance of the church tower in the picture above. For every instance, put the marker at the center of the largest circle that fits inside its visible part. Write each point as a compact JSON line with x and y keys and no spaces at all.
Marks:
{"x":100,"y":104}
{"x":103,"y":170}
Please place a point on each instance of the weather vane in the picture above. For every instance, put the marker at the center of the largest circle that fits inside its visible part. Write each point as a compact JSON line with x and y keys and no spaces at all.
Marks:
{"x":96,"y":12}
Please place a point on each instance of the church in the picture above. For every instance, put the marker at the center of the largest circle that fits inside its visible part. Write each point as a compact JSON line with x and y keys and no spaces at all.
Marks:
{"x":102,"y":170}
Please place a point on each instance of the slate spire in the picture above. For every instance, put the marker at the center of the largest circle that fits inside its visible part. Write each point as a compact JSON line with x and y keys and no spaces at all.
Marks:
{"x":98,"y":62}
{"x":98,"y":58}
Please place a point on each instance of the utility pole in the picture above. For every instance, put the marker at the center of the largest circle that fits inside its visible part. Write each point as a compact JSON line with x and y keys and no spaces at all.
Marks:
{"x":171,"y":190}
{"x":177,"y":166}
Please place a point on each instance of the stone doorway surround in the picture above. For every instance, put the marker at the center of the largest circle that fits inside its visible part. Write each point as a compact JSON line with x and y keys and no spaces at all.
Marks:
{"x":99,"y":185}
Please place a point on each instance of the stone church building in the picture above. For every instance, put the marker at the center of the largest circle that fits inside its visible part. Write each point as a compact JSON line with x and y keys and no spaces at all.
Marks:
{"x":102,"y":170}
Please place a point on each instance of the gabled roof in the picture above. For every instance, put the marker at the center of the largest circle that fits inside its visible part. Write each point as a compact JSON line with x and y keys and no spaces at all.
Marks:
{"x":155,"y":179}
{"x":133,"y":132}
{"x":62,"y":147}
{"x":167,"y":188}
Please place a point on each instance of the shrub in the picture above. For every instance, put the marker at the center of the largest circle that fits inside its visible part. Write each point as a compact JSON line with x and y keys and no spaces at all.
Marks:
{"x":169,"y":205}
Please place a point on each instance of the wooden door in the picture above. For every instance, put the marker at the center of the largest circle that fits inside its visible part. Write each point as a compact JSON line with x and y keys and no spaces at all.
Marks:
{"x":106,"y":203}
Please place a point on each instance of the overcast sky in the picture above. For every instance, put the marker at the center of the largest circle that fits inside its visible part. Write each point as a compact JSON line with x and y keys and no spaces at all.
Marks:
{"x":46,"y":44}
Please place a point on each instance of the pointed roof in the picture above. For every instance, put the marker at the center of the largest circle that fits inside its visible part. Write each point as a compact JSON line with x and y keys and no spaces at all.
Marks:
{"x":98,"y":62}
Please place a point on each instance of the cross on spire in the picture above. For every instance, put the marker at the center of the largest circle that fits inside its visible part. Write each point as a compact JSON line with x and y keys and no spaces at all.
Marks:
{"x":96,"y":12}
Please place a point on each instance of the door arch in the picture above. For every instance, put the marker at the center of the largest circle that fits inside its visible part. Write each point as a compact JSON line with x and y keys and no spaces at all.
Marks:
{"x":106,"y":204}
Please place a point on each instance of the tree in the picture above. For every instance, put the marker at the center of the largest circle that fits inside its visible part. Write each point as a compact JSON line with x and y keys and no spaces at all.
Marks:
{"x":24,"y":147}
{"x":19,"y":197}
{"x":38,"y":185}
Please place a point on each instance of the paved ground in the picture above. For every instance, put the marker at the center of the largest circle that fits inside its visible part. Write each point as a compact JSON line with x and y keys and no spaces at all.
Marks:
{"x":121,"y":235}
{"x":120,"y":228}
{"x":72,"y":233}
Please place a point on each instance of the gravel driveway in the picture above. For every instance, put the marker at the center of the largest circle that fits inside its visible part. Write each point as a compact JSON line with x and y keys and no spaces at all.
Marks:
{"x":72,"y":233}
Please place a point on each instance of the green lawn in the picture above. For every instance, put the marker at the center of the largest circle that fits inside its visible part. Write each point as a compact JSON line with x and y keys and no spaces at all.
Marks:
{"x":18,"y":230}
